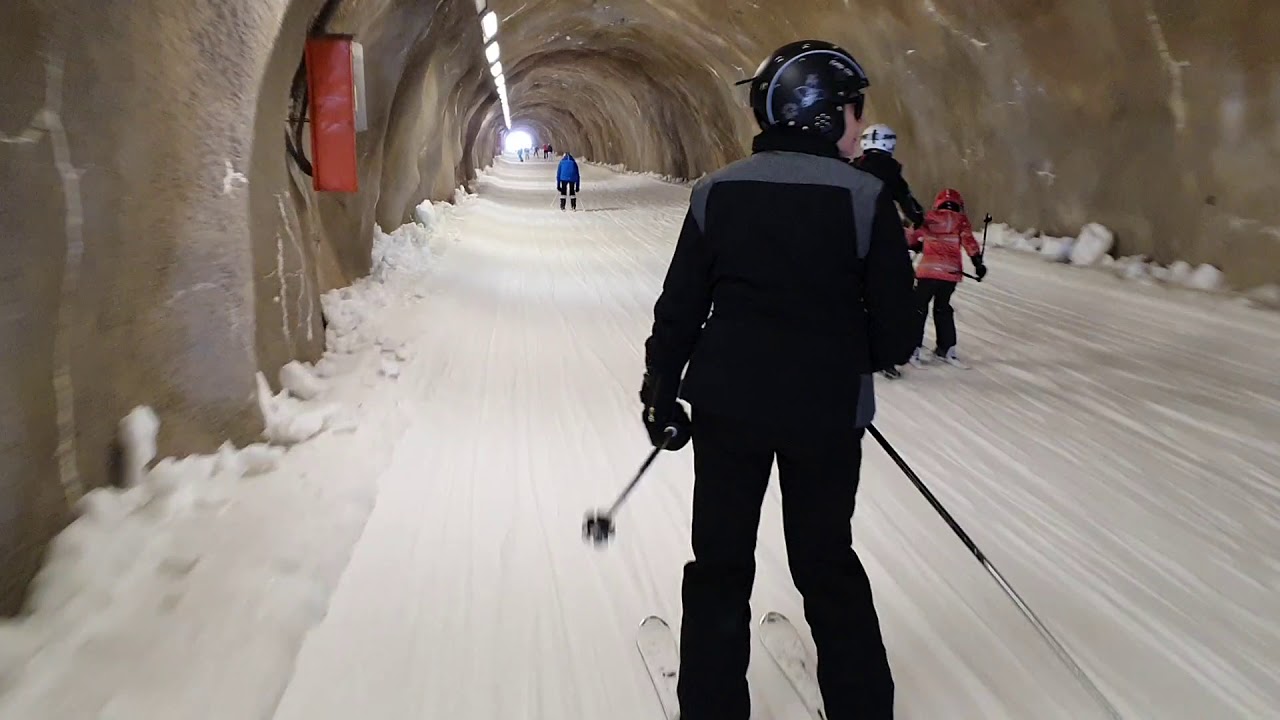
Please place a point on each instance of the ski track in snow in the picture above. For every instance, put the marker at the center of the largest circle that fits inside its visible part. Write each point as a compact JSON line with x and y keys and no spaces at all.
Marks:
{"x":1113,"y":451}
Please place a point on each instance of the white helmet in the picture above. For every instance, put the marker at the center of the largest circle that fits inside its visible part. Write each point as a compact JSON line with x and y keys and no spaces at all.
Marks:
{"x":879,"y":137}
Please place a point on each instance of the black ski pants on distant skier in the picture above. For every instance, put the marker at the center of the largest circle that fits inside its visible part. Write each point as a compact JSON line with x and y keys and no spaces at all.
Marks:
{"x":944,"y":316}
{"x":568,"y":190}
{"x":818,"y":474}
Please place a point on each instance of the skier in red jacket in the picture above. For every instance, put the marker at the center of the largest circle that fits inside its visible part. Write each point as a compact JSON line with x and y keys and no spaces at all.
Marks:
{"x":945,"y":233}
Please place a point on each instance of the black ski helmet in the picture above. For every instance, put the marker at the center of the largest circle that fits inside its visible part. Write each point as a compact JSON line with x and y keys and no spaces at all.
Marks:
{"x":805,"y":85}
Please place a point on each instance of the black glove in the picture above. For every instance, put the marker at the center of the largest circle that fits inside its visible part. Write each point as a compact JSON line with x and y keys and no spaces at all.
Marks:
{"x":560,"y":187}
{"x":661,"y":412}
{"x":979,"y":266}
{"x":577,"y":187}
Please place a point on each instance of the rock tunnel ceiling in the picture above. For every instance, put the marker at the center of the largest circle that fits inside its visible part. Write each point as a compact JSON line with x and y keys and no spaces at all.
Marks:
{"x":149,"y":134}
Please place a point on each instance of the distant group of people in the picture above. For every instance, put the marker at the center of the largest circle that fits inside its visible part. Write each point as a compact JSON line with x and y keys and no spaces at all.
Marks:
{"x":538,"y":151}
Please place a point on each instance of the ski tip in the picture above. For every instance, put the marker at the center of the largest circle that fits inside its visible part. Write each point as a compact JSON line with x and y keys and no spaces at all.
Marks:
{"x":654,"y":620}
{"x":773,"y":617}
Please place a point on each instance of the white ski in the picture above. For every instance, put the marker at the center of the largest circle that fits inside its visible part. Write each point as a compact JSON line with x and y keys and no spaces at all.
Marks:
{"x":657,"y":645}
{"x":783,"y":643}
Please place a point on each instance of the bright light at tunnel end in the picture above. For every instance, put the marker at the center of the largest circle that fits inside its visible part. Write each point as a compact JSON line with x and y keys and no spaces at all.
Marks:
{"x":517,"y":140}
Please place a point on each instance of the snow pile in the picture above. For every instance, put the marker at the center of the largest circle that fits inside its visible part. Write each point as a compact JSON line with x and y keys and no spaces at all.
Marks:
{"x":92,"y":562}
{"x":1056,"y":249}
{"x":425,"y":214}
{"x":1093,"y":244}
{"x":407,"y":250}
{"x":660,"y":177}
{"x":299,"y":379}
{"x":1207,"y":278}
{"x":1003,"y":236}
{"x":1088,"y":248}
{"x":1092,"y":247}
{"x":289,"y":420}
{"x":401,"y":259}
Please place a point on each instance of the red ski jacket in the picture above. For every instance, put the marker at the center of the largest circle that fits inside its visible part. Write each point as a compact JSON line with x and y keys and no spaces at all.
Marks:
{"x":941,"y":238}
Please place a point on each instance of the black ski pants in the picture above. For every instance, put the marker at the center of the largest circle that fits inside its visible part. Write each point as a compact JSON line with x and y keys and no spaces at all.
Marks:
{"x":944,"y":316}
{"x":568,"y":190}
{"x":819,"y":478}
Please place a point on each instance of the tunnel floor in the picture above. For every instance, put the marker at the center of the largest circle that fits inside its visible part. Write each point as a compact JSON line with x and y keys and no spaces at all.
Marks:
{"x":1111,"y":450}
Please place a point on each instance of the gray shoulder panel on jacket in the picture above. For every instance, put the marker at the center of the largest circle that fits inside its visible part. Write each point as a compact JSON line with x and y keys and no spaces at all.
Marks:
{"x":798,"y":169}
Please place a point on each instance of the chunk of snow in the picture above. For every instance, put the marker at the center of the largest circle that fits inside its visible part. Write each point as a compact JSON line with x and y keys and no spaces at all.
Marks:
{"x":253,"y":459}
{"x":1206,"y":277}
{"x":1093,"y":244}
{"x":406,"y":250}
{"x":425,"y":214}
{"x":1056,"y":249}
{"x":1178,"y":273}
{"x":138,"y":432}
{"x":1134,"y":269}
{"x":288,"y":421}
{"x":299,"y":380}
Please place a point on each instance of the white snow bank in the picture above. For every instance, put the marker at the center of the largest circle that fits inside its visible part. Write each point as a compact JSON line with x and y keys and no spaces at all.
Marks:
{"x":425,"y":214}
{"x":1206,"y":277}
{"x":213,"y":567}
{"x":624,"y":170}
{"x":289,"y":421}
{"x":299,"y":379}
{"x":91,"y":563}
{"x":407,"y":249}
{"x":1093,"y":244}
{"x":1056,"y":249}
{"x":1092,"y":247}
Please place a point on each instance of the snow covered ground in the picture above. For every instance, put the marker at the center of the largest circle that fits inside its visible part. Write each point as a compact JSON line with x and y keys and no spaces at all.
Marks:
{"x":1114,"y":451}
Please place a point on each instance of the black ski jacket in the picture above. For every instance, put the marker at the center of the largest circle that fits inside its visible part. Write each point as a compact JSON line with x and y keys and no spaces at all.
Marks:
{"x":889,"y":170}
{"x":789,"y":287}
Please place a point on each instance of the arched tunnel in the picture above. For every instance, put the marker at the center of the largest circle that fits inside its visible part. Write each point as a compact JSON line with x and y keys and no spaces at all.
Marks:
{"x":163,"y":242}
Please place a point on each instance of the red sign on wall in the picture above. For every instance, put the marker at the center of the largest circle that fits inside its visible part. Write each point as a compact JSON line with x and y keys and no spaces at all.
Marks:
{"x":331,"y":86}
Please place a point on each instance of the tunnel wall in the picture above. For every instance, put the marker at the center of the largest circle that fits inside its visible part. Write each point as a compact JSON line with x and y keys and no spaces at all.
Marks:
{"x":1158,"y":118}
{"x":159,"y":246}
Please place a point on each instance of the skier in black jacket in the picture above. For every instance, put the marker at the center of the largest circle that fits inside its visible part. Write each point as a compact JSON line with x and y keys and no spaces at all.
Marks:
{"x":878,"y":144}
{"x":804,"y":261}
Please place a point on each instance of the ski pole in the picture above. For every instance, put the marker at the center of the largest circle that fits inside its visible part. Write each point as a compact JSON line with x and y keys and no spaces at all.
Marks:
{"x":598,"y":528}
{"x":986,"y":223}
{"x":1058,"y":648}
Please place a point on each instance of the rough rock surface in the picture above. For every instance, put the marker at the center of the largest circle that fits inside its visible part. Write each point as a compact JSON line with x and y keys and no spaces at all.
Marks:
{"x":159,"y":247}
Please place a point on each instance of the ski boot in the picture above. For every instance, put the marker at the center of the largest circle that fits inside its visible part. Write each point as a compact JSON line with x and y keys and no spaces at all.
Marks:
{"x":919,"y":357}
{"x":951,"y":358}
{"x":891,"y":373}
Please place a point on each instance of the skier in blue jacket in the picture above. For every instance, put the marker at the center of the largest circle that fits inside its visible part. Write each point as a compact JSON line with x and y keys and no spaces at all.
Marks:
{"x":568,"y":181}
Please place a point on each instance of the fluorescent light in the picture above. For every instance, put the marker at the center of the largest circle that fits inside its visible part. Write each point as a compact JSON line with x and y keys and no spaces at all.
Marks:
{"x":491,"y":52}
{"x":496,"y":69}
{"x":489,"y":24}
{"x":501,"y":82}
